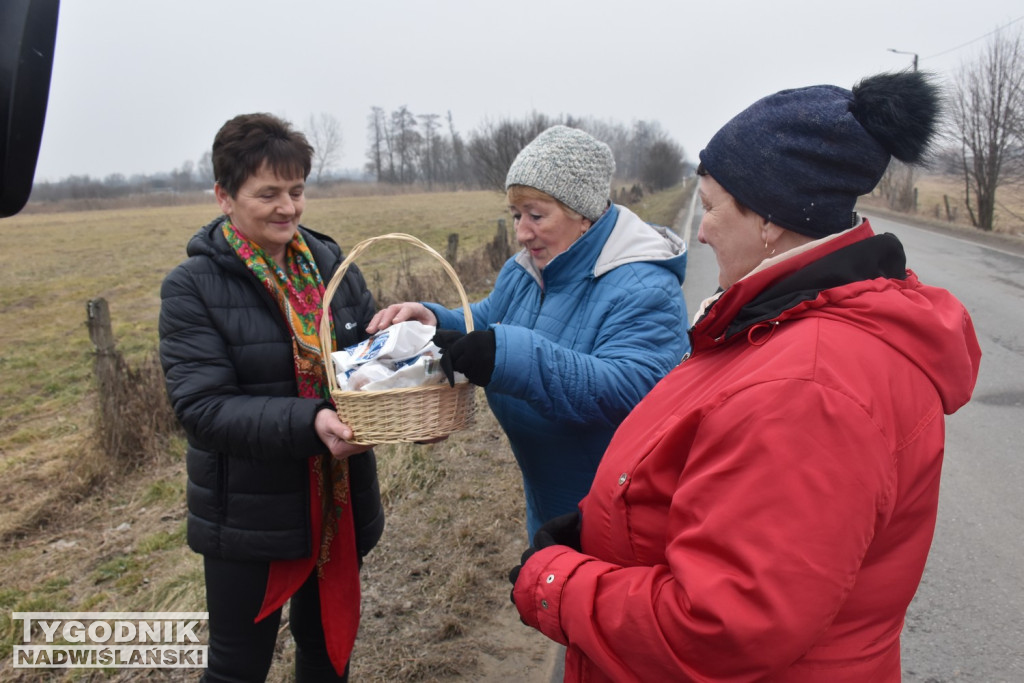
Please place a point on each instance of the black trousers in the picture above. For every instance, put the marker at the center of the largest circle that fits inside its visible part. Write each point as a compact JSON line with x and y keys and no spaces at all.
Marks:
{"x":241,"y":651}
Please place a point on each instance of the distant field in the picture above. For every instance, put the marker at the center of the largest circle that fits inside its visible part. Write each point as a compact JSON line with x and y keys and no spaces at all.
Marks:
{"x":54,"y":263}
{"x":935,"y":190}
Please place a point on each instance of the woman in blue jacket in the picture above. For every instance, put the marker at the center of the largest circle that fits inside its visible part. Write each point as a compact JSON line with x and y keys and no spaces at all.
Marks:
{"x":580,"y":325}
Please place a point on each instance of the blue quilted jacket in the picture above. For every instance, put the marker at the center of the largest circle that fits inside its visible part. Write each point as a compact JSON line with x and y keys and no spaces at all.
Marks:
{"x":578,"y":345}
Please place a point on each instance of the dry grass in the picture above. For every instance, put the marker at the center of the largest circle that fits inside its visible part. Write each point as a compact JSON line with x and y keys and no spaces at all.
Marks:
{"x":431,"y":588}
{"x":661,"y":208}
{"x":934,"y":191}
{"x":434,"y":589}
{"x":55,"y":521}
{"x":78,"y":536}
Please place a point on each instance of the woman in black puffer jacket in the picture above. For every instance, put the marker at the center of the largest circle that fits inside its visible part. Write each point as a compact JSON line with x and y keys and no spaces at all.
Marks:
{"x":280,"y":505}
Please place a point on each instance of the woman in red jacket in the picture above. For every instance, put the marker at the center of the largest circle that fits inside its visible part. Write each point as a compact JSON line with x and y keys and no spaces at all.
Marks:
{"x":766,"y":511}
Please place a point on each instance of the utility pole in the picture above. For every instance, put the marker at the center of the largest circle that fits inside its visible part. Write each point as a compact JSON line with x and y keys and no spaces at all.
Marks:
{"x":901,"y":52}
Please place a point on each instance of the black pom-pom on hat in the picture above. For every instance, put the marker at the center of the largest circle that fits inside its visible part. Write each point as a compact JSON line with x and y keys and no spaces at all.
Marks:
{"x":900,"y":110}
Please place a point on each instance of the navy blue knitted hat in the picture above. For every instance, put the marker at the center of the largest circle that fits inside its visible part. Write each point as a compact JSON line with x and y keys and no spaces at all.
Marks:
{"x":800,"y":158}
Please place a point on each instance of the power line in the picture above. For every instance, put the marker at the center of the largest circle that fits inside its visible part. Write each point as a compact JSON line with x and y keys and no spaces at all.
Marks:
{"x":969,"y":42}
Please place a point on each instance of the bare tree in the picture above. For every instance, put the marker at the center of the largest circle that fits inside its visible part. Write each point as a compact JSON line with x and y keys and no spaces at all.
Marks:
{"x":663,"y":165}
{"x":406,"y":141}
{"x":181,"y":179}
{"x":988,"y":111}
{"x":642,"y":137}
{"x":324,"y":133}
{"x":204,"y":170}
{"x":946,"y":159}
{"x":617,"y":137}
{"x":457,"y":172}
{"x":430,"y":161}
{"x":377,"y":132}
{"x":897,"y":186}
{"x":494,"y":146}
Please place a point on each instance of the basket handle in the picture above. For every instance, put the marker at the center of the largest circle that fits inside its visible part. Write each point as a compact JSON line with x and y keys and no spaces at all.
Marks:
{"x":332,"y":288}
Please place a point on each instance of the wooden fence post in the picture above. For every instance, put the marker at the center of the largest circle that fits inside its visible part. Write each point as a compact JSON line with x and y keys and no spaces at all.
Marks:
{"x":452,"y":253}
{"x":105,"y":363}
{"x":500,"y":247}
{"x":506,"y":236}
{"x":99,"y":327}
{"x":133,"y":412}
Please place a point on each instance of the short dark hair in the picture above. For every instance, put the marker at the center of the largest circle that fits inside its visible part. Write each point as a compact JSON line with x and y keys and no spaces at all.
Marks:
{"x":246,"y":142}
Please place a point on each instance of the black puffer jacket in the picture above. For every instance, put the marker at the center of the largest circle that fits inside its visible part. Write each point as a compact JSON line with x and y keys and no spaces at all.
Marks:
{"x":227,"y":355}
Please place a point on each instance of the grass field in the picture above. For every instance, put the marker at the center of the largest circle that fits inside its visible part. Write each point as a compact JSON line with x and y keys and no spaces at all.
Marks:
{"x":82,"y":533}
{"x":935,"y":192}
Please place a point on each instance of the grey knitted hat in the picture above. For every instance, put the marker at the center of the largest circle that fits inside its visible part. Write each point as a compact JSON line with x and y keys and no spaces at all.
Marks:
{"x":570,"y":165}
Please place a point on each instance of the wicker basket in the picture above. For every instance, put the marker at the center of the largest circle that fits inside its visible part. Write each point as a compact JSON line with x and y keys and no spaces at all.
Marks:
{"x":398,"y":415}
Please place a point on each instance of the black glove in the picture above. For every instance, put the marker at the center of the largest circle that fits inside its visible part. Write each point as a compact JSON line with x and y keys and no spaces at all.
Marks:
{"x":514,"y":573}
{"x":562,"y":530}
{"x":471,"y":354}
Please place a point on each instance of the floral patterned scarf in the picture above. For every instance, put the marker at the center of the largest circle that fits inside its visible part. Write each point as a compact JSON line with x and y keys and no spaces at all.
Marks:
{"x":298,"y":290}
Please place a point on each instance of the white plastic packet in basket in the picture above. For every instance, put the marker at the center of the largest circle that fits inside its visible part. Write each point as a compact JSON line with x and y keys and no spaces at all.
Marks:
{"x":419,"y":372}
{"x":404,"y":349}
{"x":357,"y":377}
{"x":398,"y":342}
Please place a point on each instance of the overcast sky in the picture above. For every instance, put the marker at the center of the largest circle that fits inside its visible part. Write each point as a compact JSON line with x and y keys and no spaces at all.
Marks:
{"x":141,"y":86}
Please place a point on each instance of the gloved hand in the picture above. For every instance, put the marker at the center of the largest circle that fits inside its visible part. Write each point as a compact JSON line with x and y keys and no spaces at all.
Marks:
{"x":471,"y":354}
{"x":562,"y":530}
{"x":514,"y":572}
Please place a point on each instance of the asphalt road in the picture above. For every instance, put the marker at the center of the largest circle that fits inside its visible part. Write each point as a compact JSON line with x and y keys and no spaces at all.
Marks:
{"x":967,"y":621}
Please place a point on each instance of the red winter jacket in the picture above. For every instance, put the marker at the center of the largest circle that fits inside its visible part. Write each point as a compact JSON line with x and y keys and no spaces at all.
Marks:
{"x":766,"y":511}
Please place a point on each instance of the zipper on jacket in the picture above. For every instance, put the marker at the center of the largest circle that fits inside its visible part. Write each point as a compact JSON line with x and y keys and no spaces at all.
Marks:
{"x":760,"y":333}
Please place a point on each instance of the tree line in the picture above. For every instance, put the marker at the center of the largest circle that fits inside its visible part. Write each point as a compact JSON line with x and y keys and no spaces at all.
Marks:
{"x":191,"y":176}
{"x":405,"y":148}
{"x":426,"y":149}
